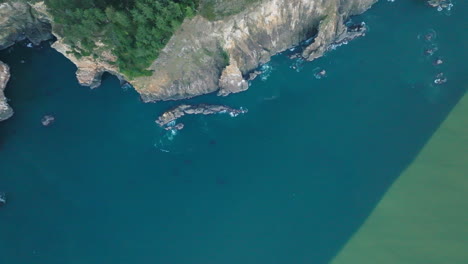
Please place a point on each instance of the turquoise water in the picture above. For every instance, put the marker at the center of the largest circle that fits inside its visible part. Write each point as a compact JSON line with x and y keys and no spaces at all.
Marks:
{"x":289,"y":182}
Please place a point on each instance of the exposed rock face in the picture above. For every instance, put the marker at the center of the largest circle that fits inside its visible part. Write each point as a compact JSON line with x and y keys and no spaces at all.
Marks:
{"x":5,"y":110}
{"x":19,"y":21}
{"x":192,"y":63}
{"x":90,"y":69}
{"x":168,"y":118}
{"x":231,"y":80}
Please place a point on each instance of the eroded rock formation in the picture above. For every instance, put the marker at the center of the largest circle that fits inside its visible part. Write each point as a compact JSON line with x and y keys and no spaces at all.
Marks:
{"x":5,"y":110}
{"x":194,"y":61}
{"x":168,"y":119}
{"x":203,"y":56}
{"x":19,"y":21}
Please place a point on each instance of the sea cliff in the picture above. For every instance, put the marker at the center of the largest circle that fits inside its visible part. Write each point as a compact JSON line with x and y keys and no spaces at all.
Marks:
{"x":203,"y":56}
{"x":5,"y":110}
{"x":206,"y":56}
{"x":193,"y":62}
{"x":18,"y":21}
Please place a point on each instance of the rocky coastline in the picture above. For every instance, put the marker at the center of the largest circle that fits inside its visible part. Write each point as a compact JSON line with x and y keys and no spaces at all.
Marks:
{"x":5,"y":110}
{"x":203,"y":56}
{"x":218,"y":56}
{"x":18,"y":21}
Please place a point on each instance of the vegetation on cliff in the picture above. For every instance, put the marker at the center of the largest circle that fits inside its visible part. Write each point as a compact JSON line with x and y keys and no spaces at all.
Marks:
{"x":136,"y":30}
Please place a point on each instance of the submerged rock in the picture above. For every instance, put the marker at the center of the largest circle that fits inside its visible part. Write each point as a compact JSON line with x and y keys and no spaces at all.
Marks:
{"x":320,"y":73}
{"x":440,"y":78}
{"x":3,"y":198}
{"x":438,"y":61}
{"x":441,"y":4}
{"x":47,"y":120}
{"x":168,"y":119}
{"x":5,"y":110}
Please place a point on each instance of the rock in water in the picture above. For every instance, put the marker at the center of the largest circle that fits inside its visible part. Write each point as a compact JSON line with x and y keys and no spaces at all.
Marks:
{"x":3,"y":198}
{"x":5,"y":110}
{"x":47,"y":120}
{"x":168,"y":119}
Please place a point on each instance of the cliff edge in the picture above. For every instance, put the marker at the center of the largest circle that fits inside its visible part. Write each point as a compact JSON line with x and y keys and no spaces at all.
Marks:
{"x":203,"y":55}
{"x":18,"y":21}
{"x":5,"y":110}
{"x":208,"y":56}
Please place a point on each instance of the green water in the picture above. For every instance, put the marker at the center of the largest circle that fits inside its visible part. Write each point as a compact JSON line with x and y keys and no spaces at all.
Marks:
{"x":289,"y":182}
{"x":421,"y":219}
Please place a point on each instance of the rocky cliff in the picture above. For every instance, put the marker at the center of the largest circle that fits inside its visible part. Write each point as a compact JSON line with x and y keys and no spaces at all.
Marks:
{"x":203,"y":56}
{"x":5,"y":110}
{"x":207,"y":56}
{"x":193,"y":61}
{"x":18,"y":21}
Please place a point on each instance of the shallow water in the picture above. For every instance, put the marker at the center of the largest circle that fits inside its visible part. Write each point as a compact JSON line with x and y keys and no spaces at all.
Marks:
{"x":289,"y":182}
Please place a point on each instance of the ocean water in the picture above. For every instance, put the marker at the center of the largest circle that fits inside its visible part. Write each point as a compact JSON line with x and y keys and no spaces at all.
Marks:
{"x":421,"y":219}
{"x":289,"y":182}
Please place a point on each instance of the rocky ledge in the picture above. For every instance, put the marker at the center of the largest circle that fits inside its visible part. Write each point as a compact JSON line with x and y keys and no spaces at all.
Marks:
{"x":168,"y":119}
{"x":5,"y":110}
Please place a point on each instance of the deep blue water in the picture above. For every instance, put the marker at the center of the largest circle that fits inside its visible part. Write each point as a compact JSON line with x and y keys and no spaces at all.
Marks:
{"x":289,"y":182}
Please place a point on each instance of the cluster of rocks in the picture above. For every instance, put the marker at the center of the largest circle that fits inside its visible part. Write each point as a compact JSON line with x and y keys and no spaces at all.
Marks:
{"x":168,"y":119}
{"x":429,"y":38}
{"x":441,"y":4}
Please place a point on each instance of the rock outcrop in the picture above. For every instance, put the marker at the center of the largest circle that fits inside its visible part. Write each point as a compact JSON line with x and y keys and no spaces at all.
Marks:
{"x":90,"y":68}
{"x":19,"y":21}
{"x":5,"y":110}
{"x":204,"y":56}
{"x":207,"y":56}
{"x":192,"y":63}
{"x":168,"y":119}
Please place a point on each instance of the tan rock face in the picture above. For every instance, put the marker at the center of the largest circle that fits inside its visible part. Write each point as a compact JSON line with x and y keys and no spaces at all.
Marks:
{"x":192,"y":62}
{"x":5,"y":110}
{"x":90,"y":69}
{"x":231,"y":80}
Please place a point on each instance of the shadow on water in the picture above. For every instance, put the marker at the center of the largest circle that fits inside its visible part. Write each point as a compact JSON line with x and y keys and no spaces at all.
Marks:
{"x":289,"y":182}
